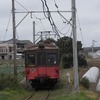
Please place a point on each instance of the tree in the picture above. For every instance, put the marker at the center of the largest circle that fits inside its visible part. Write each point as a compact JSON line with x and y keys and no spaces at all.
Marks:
{"x":65,"y":45}
{"x":66,"y":52}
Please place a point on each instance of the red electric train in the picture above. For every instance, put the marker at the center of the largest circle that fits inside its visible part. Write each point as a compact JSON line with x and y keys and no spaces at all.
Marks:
{"x":42,"y":64}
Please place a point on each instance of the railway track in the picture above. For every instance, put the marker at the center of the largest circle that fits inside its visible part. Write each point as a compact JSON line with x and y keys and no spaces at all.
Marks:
{"x":43,"y":97}
{"x":48,"y":95}
{"x":30,"y":96}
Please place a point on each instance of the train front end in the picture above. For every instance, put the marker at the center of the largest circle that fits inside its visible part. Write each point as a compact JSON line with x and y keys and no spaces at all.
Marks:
{"x":42,"y":65}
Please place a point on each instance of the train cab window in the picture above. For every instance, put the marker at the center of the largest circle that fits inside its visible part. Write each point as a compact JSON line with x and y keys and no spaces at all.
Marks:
{"x":41,"y":59}
{"x":31,"y":59}
{"x":51,"y":59}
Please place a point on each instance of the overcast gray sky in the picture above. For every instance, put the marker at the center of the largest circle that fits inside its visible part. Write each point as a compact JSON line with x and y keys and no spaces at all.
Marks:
{"x":88,"y":17}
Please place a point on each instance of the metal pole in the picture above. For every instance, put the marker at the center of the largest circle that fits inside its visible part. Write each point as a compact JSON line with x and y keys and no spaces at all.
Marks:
{"x":14,"y":37}
{"x":93,"y":46}
{"x":43,"y":11}
{"x":75,"y":59}
{"x":33,"y":32}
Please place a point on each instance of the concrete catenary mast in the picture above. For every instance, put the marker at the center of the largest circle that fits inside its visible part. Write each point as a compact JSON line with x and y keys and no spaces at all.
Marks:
{"x":14,"y":37}
{"x":75,"y":59}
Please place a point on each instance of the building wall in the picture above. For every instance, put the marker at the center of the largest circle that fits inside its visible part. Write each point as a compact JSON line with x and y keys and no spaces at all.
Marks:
{"x":6,"y":48}
{"x":6,"y":51}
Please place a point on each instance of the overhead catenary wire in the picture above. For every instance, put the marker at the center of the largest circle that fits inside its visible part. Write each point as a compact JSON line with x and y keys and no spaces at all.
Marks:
{"x":49,"y":17}
{"x":55,"y":4}
{"x":37,"y":18}
{"x":40,"y":19}
{"x":7,"y":25}
{"x":31,"y":15}
{"x":68,"y":22}
{"x":63,"y":18}
{"x":67,"y":30}
{"x":80,"y":28}
{"x":42,"y":24}
{"x":44,"y":8}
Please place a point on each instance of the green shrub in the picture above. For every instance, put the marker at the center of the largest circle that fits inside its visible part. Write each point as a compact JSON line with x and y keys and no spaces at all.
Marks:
{"x":82,"y":61}
{"x":85,"y":83}
{"x":67,"y":61}
{"x":8,"y":82}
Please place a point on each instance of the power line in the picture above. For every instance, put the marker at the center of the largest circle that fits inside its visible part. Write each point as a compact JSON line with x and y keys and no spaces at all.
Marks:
{"x":7,"y":26}
{"x":49,"y":17}
{"x":31,"y":15}
{"x":40,"y":19}
{"x":67,"y":30}
{"x":58,"y":10}
{"x":68,"y":22}
{"x":63,"y":18}
{"x":42,"y":24}
{"x":47,"y":14}
{"x":80,"y":29}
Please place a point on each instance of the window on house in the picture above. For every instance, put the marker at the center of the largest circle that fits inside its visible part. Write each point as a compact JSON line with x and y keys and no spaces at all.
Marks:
{"x":10,"y":49}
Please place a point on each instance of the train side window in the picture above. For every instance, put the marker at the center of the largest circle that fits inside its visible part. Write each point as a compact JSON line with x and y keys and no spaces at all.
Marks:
{"x":31,"y":59}
{"x":51,"y":59}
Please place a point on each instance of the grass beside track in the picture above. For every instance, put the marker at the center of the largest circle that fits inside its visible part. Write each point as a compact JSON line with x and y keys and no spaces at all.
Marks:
{"x":60,"y":94}
{"x":13,"y":94}
{"x":62,"y":91}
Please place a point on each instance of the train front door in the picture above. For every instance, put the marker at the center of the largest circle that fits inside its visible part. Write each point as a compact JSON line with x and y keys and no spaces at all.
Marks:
{"x":42,"y":70}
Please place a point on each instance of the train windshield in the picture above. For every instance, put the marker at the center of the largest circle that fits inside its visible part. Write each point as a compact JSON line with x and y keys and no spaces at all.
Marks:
{"x":31,"y":59}
{"x":41,"y":57}
{"x":52,"y":59}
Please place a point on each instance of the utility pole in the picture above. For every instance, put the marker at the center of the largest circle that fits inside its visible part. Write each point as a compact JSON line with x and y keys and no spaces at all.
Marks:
{"x":75,"y":59}
{"x":14,"y":37}
{"x":33,"y":32}
{"x":93,"y":44}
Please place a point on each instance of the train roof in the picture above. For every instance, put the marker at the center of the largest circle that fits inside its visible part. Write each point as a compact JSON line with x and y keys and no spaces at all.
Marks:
{"x":42,"y":46}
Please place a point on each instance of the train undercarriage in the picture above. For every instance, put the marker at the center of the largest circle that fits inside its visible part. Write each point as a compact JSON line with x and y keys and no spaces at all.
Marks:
{"x":43,"y":83}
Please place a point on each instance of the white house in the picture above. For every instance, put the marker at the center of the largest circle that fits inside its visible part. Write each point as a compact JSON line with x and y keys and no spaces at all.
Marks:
{"x":6,"y":48}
